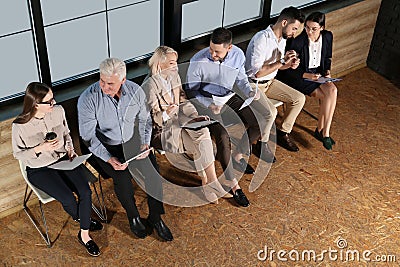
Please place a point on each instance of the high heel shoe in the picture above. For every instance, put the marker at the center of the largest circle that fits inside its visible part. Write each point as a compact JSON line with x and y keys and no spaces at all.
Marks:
{"x":327,"y":142}
{"x":210,"y":195}
{"x":320,"y":137}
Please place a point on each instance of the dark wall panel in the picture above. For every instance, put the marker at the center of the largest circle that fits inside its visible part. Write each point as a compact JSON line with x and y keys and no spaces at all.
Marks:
{"x":384,"y":55}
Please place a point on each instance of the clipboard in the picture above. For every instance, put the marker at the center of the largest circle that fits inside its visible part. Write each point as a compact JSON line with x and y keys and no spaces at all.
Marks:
{"x":198,"y":124}
{"x":138,"y":155}
{"x":69,"y":165}
{"x":324,"y":80}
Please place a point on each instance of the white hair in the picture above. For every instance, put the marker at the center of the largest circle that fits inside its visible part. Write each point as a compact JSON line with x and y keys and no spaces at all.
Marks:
{"x":113,"y":66}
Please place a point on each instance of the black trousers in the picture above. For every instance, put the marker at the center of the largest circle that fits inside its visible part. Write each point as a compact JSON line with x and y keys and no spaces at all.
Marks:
{"x":123,"y":185}
{"x":60,"y":185}
{"x":221,"y":136}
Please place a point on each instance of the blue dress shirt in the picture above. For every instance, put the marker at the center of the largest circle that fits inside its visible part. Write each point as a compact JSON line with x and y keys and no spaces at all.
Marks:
{"x":207,"y":77}
{"x":102,"y":119}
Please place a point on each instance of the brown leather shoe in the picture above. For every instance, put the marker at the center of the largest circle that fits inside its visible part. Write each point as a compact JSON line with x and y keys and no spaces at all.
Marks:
{"x":285,"y":141}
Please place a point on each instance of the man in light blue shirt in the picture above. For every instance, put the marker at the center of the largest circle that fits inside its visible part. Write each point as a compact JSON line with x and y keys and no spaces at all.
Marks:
{"x":213,"y":72}
{"x":108,"y":112}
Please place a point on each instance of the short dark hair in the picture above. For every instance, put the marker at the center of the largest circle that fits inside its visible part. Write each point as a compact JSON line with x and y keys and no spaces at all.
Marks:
{"x":317,"y":17}
{"x":221,"y":36}
{"x":291,"y":14}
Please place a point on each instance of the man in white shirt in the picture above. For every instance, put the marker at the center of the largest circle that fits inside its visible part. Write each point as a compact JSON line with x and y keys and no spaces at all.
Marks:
{"x":264,"y":56}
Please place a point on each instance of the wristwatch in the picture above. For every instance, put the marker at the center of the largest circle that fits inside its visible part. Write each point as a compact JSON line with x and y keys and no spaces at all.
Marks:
{"x":282,"y":61}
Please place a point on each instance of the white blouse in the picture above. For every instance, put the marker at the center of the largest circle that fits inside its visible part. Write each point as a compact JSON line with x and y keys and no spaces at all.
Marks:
{"x":315,"y":49}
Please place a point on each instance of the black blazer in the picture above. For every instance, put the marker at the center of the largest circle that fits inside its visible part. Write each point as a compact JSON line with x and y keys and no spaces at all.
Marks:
{"x":293,"y":77}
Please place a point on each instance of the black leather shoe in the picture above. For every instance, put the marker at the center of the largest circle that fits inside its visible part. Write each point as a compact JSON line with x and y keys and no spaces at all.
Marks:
{"x":91,"y":246}
{"x":138,"y":228}
{"x":162,"y":230}
{"x":284,"y":140}
{"x":266,"y":154}
{"x":240,"y":198}
{"x":242,"y":166}
{"x":95,"y":225}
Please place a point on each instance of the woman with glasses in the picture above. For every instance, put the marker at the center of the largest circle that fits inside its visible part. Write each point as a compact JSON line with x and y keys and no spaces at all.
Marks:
{"x":40,"y":137}
{"x":314,"y":46}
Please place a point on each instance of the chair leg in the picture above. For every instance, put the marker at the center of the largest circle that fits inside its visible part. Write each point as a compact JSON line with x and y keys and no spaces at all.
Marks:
{"x":101,"y":211}
{"x":45,"y":235}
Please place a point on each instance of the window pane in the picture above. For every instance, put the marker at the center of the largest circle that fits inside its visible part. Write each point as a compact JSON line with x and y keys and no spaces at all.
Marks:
{"x":117,"y":3}
{"x":76,"y":46}
{"x":201,"y":17}
{"x":59,"y":10}
{"x":278,"y":5}
{"x":18,"y":66}
{"x":142,"y":35}
{"x":237,"y":11}
{"x":15,"y":16}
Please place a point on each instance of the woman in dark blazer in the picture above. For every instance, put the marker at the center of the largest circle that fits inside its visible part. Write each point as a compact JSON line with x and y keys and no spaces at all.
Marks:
{"x":314,"y":48}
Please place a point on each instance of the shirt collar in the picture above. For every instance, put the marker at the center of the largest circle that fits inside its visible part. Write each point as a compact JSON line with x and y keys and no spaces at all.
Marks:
{"x":271,"y":32}
{"x":227,"y":57}
{"x":123,"y":90}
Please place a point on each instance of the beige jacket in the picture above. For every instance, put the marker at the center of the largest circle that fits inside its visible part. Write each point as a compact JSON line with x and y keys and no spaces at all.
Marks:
{"x":31,"y":134}
{"x":157,"y":97}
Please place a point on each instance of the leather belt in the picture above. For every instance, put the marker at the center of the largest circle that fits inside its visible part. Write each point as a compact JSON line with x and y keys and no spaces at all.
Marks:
{"x":260,"y":81}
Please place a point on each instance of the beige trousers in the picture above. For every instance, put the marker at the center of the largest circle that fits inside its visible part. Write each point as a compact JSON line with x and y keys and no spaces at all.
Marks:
{"x":198,"y":144}
{"x":292,"y":99}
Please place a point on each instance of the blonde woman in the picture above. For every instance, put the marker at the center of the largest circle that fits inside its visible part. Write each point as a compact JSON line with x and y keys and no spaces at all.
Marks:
{"x":170,"y":109}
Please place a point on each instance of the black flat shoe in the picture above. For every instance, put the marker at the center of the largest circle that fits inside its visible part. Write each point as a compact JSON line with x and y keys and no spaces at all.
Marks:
{"x":242,"y":166}
{"x":240,"y":198}
{"x":91,"y":246}
{"x":162,"y":230}
{"x":95,"y":225}
{"x":138,"y":228}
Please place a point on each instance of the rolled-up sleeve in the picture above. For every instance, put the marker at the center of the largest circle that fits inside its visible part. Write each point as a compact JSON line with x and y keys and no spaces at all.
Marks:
{"x":242,"y":80}
{"x":257,"y":56}
{"x":144,"y":117}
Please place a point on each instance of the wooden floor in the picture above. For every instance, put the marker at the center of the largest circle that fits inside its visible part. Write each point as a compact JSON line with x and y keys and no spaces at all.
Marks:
{"x":311,"y":200}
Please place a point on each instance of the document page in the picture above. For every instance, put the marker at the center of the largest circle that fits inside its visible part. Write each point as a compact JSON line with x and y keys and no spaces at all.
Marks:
{"x":221,"y":100}
{"x":70,"y":165}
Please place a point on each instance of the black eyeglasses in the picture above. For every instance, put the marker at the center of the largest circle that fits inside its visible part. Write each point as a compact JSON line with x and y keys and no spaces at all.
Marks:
{"x":313,"y":29}
{"x":50,"y":102}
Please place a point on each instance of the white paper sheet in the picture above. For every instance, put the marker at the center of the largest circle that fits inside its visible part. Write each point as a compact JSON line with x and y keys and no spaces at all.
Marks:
{"x":250,"y":99}
{"x":221,"y":100}
{"x":70,"y":165}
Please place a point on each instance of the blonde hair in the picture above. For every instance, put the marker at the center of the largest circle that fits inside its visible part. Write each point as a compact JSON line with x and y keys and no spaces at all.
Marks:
{"x":159,"y":56}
